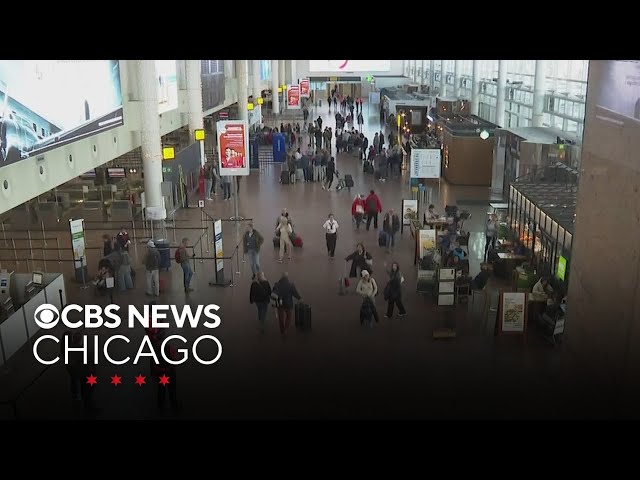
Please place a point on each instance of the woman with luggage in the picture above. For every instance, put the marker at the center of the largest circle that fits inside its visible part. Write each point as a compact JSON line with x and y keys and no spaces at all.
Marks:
{"x":284,"y":292}
{"x":368,"y":289}
{"x":284,"y":231}
{"x":393,"y":291}
{"x":360,"y":260}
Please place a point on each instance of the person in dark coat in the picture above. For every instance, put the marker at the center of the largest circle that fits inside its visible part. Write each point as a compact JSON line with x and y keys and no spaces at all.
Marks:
{"x":260,"y":294}
{"x":286,"y":292}
{"x":331,"y":170}
{"x":393,"y":291}
{"x":360,"y":260}
{"x":107,"y":245}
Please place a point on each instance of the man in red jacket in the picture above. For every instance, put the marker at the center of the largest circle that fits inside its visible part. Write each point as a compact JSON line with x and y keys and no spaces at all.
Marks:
{"x":358,"y":209}
{"x":373,"y":207}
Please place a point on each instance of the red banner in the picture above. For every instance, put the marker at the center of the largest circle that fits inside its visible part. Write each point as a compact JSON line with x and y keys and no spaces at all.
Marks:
{"x":304,"y":87}
{"x":232,"y":143}
{"x":293,"y":96}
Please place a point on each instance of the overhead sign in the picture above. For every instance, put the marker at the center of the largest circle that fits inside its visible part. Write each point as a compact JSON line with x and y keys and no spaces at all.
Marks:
{"x":233,"y":148}
{"x":293,"y":97}
{"x":349,"y":65}
{"x":304,"y":88}
{"x":425,"y":163}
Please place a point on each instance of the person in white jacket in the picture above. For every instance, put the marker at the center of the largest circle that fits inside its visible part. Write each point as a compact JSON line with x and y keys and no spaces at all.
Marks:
{"x":331,"y":234}
{"x":367,"y":286}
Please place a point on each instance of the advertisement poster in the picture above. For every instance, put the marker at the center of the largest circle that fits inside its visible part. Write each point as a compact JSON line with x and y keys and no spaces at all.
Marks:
{"x":304,"y":88}
{"x":217,"y":231}
{"x":349,"y":65}
{"x":293,"y":97}
{"x":77,"y":243}
{"x":167,"y":85}
{"x":409,"y":211}
{"x":425,"y":162}
{"x":233,"y":147}
{"x":513,"y":311}
{"x":427,"y":240}
{"x":48,"y":103}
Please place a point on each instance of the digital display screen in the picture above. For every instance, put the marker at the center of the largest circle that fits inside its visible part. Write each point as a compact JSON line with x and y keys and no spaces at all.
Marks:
{"x":37,"y":278}
{"x":48,"y":103}
{"x":116,"y":172}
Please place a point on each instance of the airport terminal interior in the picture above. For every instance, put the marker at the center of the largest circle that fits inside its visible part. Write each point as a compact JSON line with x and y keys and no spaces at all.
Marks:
{"x":480,"y":198}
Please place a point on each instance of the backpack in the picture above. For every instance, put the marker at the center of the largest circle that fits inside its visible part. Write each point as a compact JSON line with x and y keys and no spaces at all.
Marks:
{"x":178,"y":256}
{"x":372,"y":205}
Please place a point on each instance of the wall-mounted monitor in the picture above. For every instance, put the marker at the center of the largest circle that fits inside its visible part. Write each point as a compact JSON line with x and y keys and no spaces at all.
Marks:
{"x":116,"y":172}
{"x":89,"y":174}
{"x":48,"y":103}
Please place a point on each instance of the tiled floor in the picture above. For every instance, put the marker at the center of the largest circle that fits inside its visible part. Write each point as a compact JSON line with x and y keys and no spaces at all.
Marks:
{"x":394,"y":370}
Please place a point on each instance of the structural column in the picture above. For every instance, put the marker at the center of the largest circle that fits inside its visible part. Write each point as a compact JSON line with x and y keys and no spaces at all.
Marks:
{"x":194,"y":102}
{"x":243,"y":88}
{"x":422,"y":72}
{"x":475,"y":88}
{"x":502,"y":90}
{"x":294,"y":71}
{"x":282,"y":72}
{"x":274,"y":86}
{"x":443,"y":79}
{"x":456,"y":78}
{"x":150,"y":134}
{"x":257,"y":78}
{"x":539,"y":90}
{"x":432,"y":74}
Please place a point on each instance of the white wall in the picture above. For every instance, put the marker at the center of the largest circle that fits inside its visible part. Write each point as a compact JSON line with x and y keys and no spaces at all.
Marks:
{"x":386,"y":82}
{"x":65,"y":163}
{"x":303,"y":70}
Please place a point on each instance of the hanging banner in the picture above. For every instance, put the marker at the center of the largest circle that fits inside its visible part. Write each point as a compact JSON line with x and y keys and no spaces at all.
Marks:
{"x":427,"y":240}
{"x":409,"y":211}
{"x":233,"y":147}
{"x":425,"y":162}
{"x":304,"y":88}
{"x":293,"y":97}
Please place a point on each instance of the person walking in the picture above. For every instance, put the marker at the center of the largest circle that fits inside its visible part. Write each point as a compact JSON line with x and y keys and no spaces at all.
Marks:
{"x":331,"y":170}
{"x":252,"y":240}
{"x":331,"y":229}
{"x":319,"y":120}
{"x":367,"y":288}
{"x":226,"y":186}
{"x":391,"y":226}
{"x":491,"y":234}
{"x":318,"y":137}
{"x":373,"y":207}
{"x":125,"y":281}
{"x":182,"y":259}
{"x":323,"y":165}
{"x":122,"y":239}
{"x":393,"y":291}
{"x":357,"y":209}
{"x":285,"y":292}
{"x":208,"y":181}
{"x":107,"y":245}
{"x":152,"y":266}
{"x":284,"y":231}
{"x":317,"y":166}
{"x":376,"y":142}
{"x":360,"y":260}
{"x":381,"y":138}
{"x":360,"y":120}
{"x":260,"y":295}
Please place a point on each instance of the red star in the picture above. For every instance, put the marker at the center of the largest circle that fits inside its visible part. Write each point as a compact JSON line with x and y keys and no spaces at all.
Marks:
{"x":140,"y":380}
{"x":92,"y":380}
{"x":164,"y":380}
{"x":116,"y":380}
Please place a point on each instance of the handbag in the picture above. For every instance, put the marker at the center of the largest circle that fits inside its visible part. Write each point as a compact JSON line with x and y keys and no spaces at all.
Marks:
{"x":276,"y":300}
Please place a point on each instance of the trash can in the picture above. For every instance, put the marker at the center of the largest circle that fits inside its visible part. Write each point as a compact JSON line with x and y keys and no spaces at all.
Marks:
{"x":163,"y":247}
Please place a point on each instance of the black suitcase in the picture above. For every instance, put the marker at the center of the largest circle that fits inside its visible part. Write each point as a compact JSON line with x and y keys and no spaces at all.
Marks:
{"x":285,"y":177}
{"x":348,"y":181}
{"x":303,"y":317}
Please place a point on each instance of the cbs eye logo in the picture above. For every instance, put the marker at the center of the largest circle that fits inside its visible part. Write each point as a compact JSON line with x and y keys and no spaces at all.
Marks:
{"x":46,"y":316}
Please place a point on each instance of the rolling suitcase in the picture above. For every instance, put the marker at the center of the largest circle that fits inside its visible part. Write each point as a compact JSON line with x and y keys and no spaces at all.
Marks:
{"x":382,"y":238}
{"x":285,"y":177}
{"x":348,"y":181}
{"x":303,"y":317}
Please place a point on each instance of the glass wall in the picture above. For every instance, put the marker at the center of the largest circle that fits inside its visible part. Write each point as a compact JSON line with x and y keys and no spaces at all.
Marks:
{"x":565,"y":87}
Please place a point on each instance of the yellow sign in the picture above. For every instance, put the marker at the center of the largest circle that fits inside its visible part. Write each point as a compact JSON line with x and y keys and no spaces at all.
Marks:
{"x":199,"y":134}
{"x":168,"y":153}
{"x":414,"y":189}
{"x":284,"y":87}
{"x":249,"y":106}
{"x":260,"y":100}
{"x":333,"y":79}
{"x":398,"y":121}
{"x":279,"y":89}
